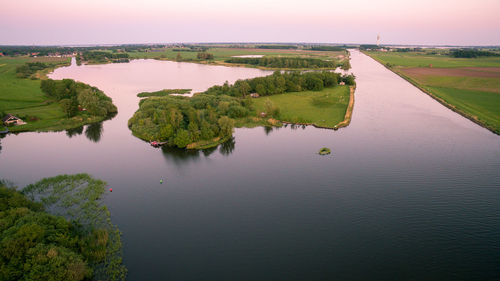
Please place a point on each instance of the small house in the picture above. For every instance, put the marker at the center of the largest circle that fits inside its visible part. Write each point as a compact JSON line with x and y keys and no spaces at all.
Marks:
{"x":254,"y":95}
{"x":263,"y":114}
{"x":342,"y":83}
{"x":10,"y":119}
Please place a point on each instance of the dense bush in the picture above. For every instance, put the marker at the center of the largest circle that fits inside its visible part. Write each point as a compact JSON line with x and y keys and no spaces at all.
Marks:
{"x":28,"y":69}
{"x":278,"y":83}
{"x":205,"y":56}
{"x":99,"y":56}
{"x":471,"y":53}
{"x":71,"y":94}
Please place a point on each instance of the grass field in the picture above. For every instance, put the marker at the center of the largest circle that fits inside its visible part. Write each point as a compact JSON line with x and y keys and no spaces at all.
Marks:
{"x":221,"y":54}
{"x":24,"y":98}
{"x":470,"y":86}
{"x":325,"y":108}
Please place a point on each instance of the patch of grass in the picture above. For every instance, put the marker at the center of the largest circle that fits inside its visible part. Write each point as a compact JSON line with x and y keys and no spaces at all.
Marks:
{"x":324,"y":108}
{"x":416,"y":59}
{"x":483,"y":105}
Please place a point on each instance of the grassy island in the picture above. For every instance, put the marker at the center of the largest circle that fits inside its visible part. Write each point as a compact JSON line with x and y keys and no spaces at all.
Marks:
{"x":207,"y":119}
{"x":163,"y":93}
{"x":466,"y":81}
{"x":57,"y":106}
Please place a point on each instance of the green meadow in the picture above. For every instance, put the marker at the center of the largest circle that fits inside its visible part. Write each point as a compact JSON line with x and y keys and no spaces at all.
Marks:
{"x":423,"y":59}
{"x":24,"y":98}
{"x":324,"y":108}
{"x":469,"y":86}
{"x":222,"y":54}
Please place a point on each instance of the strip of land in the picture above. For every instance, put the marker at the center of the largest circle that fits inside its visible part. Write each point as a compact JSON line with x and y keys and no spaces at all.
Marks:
{"x":21,"y":95}
{"x":468,"y":86}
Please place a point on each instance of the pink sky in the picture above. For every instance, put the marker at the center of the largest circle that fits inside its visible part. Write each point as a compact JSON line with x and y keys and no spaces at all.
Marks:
{"x":457,"y":22}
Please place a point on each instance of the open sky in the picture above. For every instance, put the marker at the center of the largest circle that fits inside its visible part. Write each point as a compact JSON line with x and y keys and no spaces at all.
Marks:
{"x":51,"y":22}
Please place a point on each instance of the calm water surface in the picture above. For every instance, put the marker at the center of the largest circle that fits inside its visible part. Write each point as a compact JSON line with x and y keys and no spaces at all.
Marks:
{"x":410,"y":192}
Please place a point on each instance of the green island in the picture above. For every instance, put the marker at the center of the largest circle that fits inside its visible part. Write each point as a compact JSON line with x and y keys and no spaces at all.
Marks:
{"x":164,"y":92}
{"x":324,"y":151}
{"x":50,"y":108}
{"x":208,"y":118}
{"x":466,"y":81}
{"x":58,"y":229}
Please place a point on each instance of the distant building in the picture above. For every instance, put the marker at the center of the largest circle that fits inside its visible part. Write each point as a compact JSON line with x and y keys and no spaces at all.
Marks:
{"x":254,"y":95}
{"x":10,"y":119}
{"x":342,"y":83}
{"x":263,"y":114}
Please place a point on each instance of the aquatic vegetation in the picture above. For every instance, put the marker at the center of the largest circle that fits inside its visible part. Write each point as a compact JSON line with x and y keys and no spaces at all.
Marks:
{"x":78,"y":199}
{"x":324,"y":151}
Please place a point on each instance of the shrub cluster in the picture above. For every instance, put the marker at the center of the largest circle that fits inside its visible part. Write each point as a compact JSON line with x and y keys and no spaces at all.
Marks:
{"x":74,"y":96}
{"x":285,"y":62}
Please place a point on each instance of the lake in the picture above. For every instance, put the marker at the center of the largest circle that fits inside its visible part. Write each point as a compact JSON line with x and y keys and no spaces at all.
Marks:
{"x":411,"y":190}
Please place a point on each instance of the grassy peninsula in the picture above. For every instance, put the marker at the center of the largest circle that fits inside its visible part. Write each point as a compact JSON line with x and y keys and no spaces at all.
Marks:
{"x":58,"y":229}
{"x":466,"y":81}
{"x":207,"y":119}
{"x":51,"y":108}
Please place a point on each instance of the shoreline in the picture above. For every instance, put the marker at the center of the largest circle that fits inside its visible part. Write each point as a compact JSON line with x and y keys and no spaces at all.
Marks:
{"x":453,"y":108}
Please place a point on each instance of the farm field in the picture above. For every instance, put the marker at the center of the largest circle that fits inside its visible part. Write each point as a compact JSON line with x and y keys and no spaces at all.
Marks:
{"x":222,"y":54}
{"x":469,"y":86}
{"x":324,"y":108}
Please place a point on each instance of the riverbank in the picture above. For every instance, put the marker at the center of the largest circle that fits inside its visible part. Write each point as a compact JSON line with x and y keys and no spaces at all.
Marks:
{"x":468,"y":87}
{"x":23,"y":98}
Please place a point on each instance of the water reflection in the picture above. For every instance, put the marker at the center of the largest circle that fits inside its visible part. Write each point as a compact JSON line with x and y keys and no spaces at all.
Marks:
{"x":226,"y":148}
{"x":75,"y":131}
{"x":208,"y":151}
{"x":94,"y":131}
{"x":178,"y":155}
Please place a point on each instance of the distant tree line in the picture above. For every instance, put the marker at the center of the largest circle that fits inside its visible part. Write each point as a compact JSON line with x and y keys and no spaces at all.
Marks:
{"x":75,"y":96}
{"x":277,"y":47}
{"x":54,"y":50}
{"x":191,"y":48}
{"x":368,"y":46}
{"x":285,"y":62}
{"x":208,"y":115}
{"x":472,"y":53}
{"x":100,"y":56}
{"x":327,"y":48}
